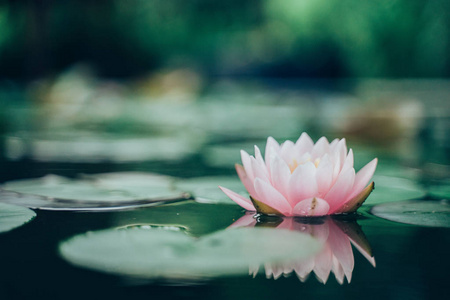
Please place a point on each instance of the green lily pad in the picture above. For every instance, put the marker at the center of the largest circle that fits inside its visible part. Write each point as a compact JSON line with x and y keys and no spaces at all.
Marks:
{"x":193,"y":218}
{"x":102,"y":191}
{"x":165,"y":254}
{"x":392,"y":168}
{"x":88,"y":147}
{"x":442,"y":190}
{"x":433,"y":213}
{"x":12,"y":216}
{"x":206,"y":189}
{"x":390,"y":189}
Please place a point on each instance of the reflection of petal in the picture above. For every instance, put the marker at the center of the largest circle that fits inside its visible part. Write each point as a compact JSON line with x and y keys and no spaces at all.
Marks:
{"x":341,"y":248}
{"x":371,"y":259}
{"x":358,"y":239}
{"x":253,"y":270}
{"x":246,"y":220}
{"x":288,"y":223}
{"x":303,"y":269}
{"x":335,"y":257}
{"x":337,"y":270}
{"x":323,"y":264}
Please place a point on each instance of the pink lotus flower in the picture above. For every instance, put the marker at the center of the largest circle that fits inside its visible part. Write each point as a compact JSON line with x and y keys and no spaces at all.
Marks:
{"x":335,"y":257}
{"x":303,"y":179}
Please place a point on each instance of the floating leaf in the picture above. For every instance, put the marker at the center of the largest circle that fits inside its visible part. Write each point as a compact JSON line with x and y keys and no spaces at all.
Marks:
{"x":441,"y":190}
{"x":102,"y":191}
{"x":12,"y":216}
{"x":193,"y":218}
{"x":81,"y":147}
{"x":389,"y":189}
{"x":164,"y":254}
{"x":434,"y":213}
{"x":206,"y":189}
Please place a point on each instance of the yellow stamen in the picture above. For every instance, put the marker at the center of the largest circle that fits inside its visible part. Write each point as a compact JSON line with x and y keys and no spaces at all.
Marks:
{"x":317,"y":162}
{"x":293,"y":165}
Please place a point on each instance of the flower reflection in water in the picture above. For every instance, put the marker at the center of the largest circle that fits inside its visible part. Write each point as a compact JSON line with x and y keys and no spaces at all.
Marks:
{"x":336,"y":256}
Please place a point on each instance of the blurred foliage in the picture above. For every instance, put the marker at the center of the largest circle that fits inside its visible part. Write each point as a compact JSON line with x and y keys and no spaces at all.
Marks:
{"x":278,"y":38}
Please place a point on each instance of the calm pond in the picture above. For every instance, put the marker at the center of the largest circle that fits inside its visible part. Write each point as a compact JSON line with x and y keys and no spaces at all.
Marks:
{"x":125,"y":201}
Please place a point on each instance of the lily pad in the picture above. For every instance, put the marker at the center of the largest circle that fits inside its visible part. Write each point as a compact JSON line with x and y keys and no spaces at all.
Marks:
{"x":102,"y":191}
{"x":12,"y":216}
{"x":87,"y":147}
{"x":389,"y":189}
{"x":206,"y":189}
{"x":433,"y":213}
{"x":441,"y":190}
{"x":193,"y":218}
{"x":165,"y":254}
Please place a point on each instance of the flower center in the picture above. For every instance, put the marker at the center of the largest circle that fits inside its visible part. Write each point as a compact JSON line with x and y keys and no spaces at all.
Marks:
{"x":294,"y":164}
{"x":317,"y":162}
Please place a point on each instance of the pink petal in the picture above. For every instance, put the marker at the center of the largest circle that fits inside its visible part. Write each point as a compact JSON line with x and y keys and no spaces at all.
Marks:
{"x":337,"y":167}
{"x":242,"y":201}
{"x":324,"y":176}
{"x":259,"y":170}
{"x":245,"y":180}
{"x":280,"y":175}
{"x":338,"y":194}
{"x":304,"y":143}
{"x":272,"y":146}
{"x":348,"y":161}
{"x":320,"y":148}
{"x":247,"y":165}
{"x":333,"y":145}
{"x":363,"y":177}
{"x":287,"y":151}
{"x":311,"y":207}
{"x":342,"y":151}
{"x":258,"y":155}
{"x":303,"y":183}
{"x":268,"y":195}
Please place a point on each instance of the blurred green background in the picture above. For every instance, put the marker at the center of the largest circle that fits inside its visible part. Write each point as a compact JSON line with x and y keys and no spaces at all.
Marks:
{"x":270,"y":38}
{"x":178,"y":87}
